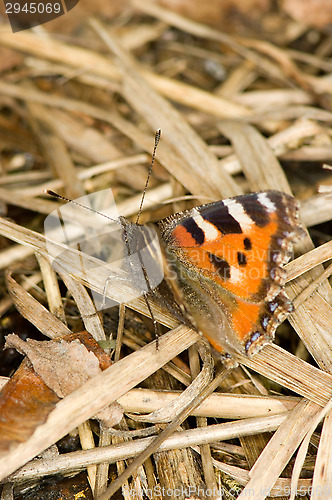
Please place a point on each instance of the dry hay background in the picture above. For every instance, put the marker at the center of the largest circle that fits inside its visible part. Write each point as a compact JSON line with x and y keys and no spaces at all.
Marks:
{"x":244,"y":111}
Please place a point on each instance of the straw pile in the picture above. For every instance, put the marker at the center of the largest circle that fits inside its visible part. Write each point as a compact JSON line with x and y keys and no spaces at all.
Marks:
{"x":238,"y":114}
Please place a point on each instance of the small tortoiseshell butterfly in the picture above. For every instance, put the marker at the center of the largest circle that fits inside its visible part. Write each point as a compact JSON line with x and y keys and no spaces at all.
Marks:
{"x":223,"y":268}
{"x":218,"y":267}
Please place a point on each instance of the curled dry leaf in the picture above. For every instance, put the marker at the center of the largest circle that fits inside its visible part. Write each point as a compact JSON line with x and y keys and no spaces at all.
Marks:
{"x":53,"y":370}
{"x":63,"y":366}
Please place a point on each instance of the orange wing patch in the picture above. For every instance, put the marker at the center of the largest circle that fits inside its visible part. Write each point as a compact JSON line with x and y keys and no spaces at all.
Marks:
{"x":227,"y":261}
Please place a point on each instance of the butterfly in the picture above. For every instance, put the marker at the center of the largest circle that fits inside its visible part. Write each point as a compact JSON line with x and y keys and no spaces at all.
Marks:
{"x":223,"y":269}
{"x":217,"y":268}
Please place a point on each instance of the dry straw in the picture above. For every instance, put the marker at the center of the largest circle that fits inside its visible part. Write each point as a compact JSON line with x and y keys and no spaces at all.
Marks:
{"x":291,"y":119}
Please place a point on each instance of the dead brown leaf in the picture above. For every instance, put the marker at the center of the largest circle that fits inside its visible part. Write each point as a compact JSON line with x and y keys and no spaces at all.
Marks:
{"x":63,"y":366}
{"x":25,"y":402}
{"x":53,"y":370}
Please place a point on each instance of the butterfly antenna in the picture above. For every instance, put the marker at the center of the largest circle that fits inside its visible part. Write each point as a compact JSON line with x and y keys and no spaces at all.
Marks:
{"x":156,"y":142}
{"x":59,"y":197}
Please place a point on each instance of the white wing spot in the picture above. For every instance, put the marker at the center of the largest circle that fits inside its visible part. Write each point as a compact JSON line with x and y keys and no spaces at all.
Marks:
{"x":210,"y":232}
{"x":266,"y":202}
{"x":236,"y":210}
{"x":236,"y":275}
